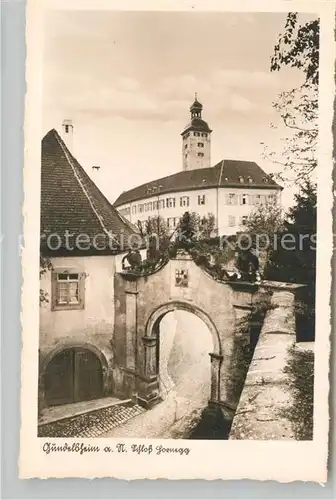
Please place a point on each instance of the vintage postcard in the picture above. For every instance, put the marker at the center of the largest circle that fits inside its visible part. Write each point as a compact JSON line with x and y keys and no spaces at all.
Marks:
{"x":177,"y":240}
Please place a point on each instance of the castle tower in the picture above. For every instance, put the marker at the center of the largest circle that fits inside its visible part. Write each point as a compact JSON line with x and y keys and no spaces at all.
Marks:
{"x":67,"y":134}
{"x":196,"y":140}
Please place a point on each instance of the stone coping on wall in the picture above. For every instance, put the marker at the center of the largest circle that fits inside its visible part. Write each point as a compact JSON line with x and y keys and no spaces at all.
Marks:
{"x":261,"y":411}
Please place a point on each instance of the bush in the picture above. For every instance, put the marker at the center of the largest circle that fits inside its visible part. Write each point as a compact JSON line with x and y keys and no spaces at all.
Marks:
{"x":300,"y":370}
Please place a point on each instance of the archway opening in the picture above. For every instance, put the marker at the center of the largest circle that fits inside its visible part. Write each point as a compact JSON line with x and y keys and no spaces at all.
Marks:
{"x":73,"y":375}
{"x":183,"y":361}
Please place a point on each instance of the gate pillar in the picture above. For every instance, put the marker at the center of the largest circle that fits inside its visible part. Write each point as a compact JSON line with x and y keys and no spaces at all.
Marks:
{"x":216,"y":363}
{"x":148,"y":382}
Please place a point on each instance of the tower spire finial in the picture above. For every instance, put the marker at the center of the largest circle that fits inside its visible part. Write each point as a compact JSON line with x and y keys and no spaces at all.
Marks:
{"x":195,"y":96}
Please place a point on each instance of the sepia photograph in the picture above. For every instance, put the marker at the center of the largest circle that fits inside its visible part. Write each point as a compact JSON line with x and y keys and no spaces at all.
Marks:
{"x":178,"y":228}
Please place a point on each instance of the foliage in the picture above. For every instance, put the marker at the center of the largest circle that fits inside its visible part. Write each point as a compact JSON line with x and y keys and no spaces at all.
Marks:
{"x":45,"y":266}
{"x":188,"y":229}
{"x":296,"y":263}
{"x":265,"y":221}
{"x":298,"y":47}
{"x":207,"y":225}
{"x":300,"y":370}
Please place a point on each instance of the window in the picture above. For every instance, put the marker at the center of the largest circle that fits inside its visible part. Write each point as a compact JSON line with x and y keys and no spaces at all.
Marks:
{"x":66,"y":129}
{"x":201,"y":199}
{"x":204,"y":135}
{"x":186,"y":155}
{"x":161,"y":204}
{"x":232,"y":220}
{"x":200,"y":155}
{"x":250,"y":180}
{"x":244,"y":220}
{"x":200,"y":144}
{"x":67,"y":290}
{"x":134,"y":209}
{"x":170,"y":202}
{"x":140,"y":208}
{"x":231,"y":199}
{"x":185,"y":146}
{"x":241,"y":179}
{"x":244,"y":199}
{"x":172,"y":222}
{"x":155,"y":205}
{"x":271,"y":198}
{"x":197,"y":134}
{"x":184,"y":201}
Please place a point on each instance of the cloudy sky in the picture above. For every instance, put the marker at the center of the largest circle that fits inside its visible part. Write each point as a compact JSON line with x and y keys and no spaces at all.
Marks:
{"x":127,"y":79}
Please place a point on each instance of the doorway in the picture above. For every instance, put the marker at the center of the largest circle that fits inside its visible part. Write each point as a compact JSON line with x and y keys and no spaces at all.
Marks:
{"x":73,"y":375}
{"x":183,"y":361}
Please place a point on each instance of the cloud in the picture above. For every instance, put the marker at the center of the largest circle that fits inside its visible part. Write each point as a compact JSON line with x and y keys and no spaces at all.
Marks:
{"x":182,"y":87}
{"x":240,"y":103}
{"x":127,"y":84}
{"x":245,"y":79}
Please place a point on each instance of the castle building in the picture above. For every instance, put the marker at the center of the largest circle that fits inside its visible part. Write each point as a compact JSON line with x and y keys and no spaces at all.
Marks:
{"x":230,"y":190}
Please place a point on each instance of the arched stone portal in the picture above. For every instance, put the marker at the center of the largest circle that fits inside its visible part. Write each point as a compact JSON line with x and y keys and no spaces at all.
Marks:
{"x":151,"y":347}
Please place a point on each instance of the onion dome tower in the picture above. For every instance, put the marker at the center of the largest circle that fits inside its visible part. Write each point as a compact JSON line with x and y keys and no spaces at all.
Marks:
{"x":196,"y":140}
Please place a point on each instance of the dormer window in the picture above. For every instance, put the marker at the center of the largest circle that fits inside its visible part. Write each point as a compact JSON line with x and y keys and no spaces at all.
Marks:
{"x":264,"y":179}
{"x":204,"y":135}
{"x":241,"y":179}
{"x":250,"y":180}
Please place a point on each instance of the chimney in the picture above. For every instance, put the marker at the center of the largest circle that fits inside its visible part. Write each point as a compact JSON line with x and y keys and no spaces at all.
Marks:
{"x":67,"y":129}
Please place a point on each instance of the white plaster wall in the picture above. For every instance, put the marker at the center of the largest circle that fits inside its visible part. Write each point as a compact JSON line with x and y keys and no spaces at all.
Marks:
{"x":215,"y":203}
{"x":190,"y":149}
{"x":238,"y":210}
{"x":95,"y":322}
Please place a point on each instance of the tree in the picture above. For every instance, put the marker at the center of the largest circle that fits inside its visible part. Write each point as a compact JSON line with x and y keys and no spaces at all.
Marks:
{"x":45,"y":266}
{"x":207,"y":226}
{"x":188,"y":229}
{"x":155,"y":232}
{"x":293,"y":260}
{"x":263,"y":225}
{"x":298,"y":47}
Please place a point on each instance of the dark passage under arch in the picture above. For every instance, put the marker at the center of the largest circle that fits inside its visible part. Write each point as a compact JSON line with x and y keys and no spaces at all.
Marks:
{"x":73,"y":375}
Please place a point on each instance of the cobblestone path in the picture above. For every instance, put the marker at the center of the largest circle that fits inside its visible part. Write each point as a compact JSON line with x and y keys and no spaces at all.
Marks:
{"x":92,"y":424}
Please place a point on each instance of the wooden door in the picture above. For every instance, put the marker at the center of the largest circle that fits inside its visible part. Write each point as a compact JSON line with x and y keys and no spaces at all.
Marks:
{"x":88,"y":376}
{"x":59,"y":379}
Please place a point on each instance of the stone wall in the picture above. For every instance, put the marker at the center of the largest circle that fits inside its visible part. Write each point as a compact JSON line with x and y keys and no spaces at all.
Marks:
{"x":261,"y":412}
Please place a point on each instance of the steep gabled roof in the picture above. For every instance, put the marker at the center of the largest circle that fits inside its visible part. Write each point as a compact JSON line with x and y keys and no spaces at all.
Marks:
{"x":227,"y":173}
{"x":72,"y":204}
